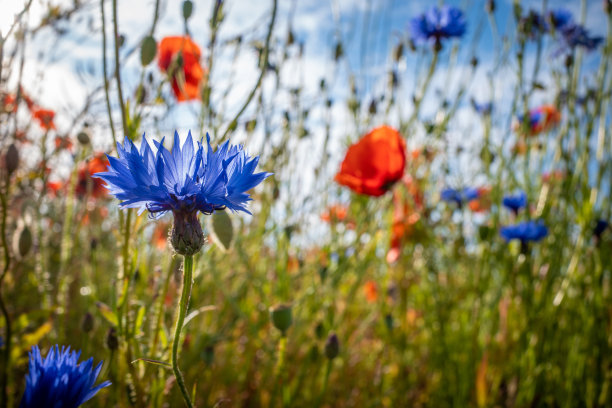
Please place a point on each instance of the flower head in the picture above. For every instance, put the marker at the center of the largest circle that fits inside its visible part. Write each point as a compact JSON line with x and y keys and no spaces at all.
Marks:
{"x":525,"y":231}
{"x":436,"y":24}
{"x":576,"y":35}
{"x":560,"y":18}
{"x":541,"y":119}
{"x":183,"y":180}
{"x":179,"y":57}
{"x":484,"y":108}
{"x":515,"y":202}
{"x":373,"y":164}
{"x":86,"y":184}
{"x":44,"y":118}
{"x":482,"y":201}
{"x":461,"y":196}
{"x":59,"y":380}
{"x":533,"y":25}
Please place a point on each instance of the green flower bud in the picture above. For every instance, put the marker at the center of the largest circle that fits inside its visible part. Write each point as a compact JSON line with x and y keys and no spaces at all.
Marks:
{"x":186,"y":237}
{"x":281,"y":317}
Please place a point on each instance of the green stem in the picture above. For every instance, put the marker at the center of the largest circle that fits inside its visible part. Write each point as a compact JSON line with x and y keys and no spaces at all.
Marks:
{"x":7,"y":318}
{"x":183,"y":305}
{"x":104,"y":71}
{"x":117,"y":70}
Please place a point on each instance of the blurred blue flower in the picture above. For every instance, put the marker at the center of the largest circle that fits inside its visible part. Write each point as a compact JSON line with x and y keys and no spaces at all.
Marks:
{"x":185,"y":180}
{"x":59,"y":381}
{"x":436,"y":24}
{"x":561,"y":18}
{"x":515,"y":202}
{"x":484,"y":108}
{"x":600,"y":227}
{"x":576,"y":35}
{"x":524,"y":231}
{"x":459,"y":196}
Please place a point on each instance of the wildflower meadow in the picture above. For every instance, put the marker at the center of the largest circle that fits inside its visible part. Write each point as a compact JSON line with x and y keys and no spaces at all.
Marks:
{"x":327,"y":203}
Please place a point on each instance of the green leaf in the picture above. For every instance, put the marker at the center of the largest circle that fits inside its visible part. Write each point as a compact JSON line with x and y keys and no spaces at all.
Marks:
{"x":156,"y":362}
{"x":148,"y":50}
{"x":222,"y":231}
{"x":107,"y":313}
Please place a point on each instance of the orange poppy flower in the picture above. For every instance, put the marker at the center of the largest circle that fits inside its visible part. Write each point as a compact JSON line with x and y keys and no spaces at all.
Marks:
{"x":53,"y":187}
{"x":371,"y":291}
{"x":374,"y":163}
{"x":63,"y":143}
{"x":186,"y":72}
{"x":97,"y":164}
{"x":160,"y":235}
{"x":336,"y":212}
{"x":483,"y":202}
{"x":9,"y":103}
{"x":44,"y":118}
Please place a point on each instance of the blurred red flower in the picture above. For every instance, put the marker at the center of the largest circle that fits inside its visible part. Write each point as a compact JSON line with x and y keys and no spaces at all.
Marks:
{"x":371,"y":291}
{"x":44,"y":118}
{"x":97,"y":164}
{"x":9,"y":103}
{"x":406,"y":213}
{"x":374,"y":163}
{"x":160,"y":235}
{"x":483,"y":202}
{"x":179,"y":57}
{"x":63,"y":142}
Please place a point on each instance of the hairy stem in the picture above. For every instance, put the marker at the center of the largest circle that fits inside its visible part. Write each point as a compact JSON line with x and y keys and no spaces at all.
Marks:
{"x":182,"y":310}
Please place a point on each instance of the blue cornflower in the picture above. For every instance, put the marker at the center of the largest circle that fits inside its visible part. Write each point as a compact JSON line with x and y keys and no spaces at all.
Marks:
{"x":524,"y":231}
{"x":577,"y":36}
{"x":600,"y":227}
{"x":561,"y":18}
{"x":459,"y":196}
{"x":436,"y":24}
{"x":184,"y":180}
{"x":59,"y":381}
{"x":515,"y":202}
{"x":484,"y":108}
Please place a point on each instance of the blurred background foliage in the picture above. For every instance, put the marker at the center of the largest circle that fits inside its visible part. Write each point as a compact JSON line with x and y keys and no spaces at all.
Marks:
{"x":323,"y":297}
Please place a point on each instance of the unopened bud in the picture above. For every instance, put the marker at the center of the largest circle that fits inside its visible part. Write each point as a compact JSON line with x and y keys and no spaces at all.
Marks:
{"x":112,"y":342}
{"x":186,"y":237}
{"x":11,"y":158}
{"x":83,"y":138}
{"x":332,"y":346}
{"x":281,"y":317}
{"x":22,"y":241}
{"x":87,"y":324}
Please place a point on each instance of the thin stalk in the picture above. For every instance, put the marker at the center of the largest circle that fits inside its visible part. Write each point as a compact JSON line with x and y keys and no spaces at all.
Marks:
{"x":105,"y":73}
{"x":182,"y":310}
{"x":117,"y":70}
{"x":264,"y":68}
{"x":7,"y":318}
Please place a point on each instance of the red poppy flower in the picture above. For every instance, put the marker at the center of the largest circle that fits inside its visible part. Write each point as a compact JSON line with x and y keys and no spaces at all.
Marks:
{"x":53,"y":187}
{"x":374,"y":163}
{"x":44,"y":118}
{"x":63,"y":143}
{"x":9,"y":103}
{"x":185,"y":71}
{"x":97,"y":164}
{"x":371,"y":291}
{"x":483,"y":202}
{"x":335,"y":212}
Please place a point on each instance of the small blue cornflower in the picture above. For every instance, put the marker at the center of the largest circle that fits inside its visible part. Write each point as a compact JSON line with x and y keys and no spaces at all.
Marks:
{"x":459,"y":196}
{"x":185,"y":180}
{"x":436,"y":24}
{"x":515,"y":202}
{"x":600,"y":226}
{"x":59,"y":380}
{"x":524,"y":231}
{"x":484,"y":108}
{"x":560,"y":18}
{"x":577,"y":36}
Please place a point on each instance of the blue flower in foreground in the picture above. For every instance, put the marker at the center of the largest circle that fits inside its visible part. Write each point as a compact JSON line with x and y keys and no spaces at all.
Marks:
{"x":525,"y":231}
{"x":436,"y":24}
{"x":184,"y":180}
{"x":59,"y":381}
{"x":515,"y":202}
